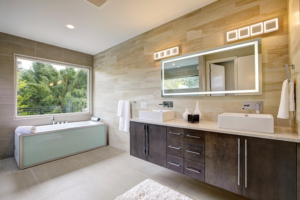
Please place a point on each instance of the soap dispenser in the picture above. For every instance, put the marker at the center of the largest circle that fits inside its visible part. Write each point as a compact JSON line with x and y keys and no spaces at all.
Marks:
{"x":197,"y":111}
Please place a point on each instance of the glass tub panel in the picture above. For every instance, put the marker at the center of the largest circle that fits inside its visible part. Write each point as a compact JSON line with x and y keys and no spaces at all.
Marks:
{"x":43,"y":147}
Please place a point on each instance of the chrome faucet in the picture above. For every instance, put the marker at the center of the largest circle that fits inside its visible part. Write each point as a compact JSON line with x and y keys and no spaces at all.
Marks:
{"x":253,"y":105}
{"x":167,"y":104}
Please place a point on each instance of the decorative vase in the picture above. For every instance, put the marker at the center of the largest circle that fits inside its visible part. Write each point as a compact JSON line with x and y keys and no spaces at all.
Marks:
{"x":197,"y":111}
{"x":185,"y":114}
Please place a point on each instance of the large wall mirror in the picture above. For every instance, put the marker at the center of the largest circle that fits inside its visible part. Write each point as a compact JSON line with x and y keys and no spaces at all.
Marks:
{"x":229,"y":70}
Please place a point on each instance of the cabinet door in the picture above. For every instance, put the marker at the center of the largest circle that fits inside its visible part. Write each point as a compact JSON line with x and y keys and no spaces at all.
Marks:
{"x":157,"y":145}
{"x":270,"y":169}
{"x":223,"y":161}
{"x":137,"y":140}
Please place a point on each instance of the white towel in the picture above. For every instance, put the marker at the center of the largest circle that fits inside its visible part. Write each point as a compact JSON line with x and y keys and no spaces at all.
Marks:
{"x":291,"y":96}
{"x":120,"y":108}
{"x":96,"y":119}
{"x":124,"y":119}
{"x":283,"y":111}
{"x":25,"y":129}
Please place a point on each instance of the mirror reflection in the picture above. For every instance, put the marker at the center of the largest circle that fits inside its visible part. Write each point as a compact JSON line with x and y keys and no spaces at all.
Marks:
{"x":226,"y":71}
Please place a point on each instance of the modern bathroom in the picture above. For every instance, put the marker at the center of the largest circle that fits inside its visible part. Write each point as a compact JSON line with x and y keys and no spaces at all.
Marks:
{"x":146,"y":100}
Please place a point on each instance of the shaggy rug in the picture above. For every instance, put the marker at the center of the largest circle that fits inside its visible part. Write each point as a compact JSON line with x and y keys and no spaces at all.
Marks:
{"x":151,"y":190}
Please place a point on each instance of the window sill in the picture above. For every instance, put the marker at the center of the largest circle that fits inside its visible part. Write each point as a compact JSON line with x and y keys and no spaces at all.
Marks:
{"x":51,"y":115}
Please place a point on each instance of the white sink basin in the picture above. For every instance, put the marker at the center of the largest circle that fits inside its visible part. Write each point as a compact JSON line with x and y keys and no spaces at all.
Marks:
{"x":157,"y":115}
{"x":247,"y":122}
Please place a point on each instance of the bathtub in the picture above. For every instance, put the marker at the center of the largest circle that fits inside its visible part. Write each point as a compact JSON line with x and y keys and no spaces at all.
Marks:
{"x":53,"y":142}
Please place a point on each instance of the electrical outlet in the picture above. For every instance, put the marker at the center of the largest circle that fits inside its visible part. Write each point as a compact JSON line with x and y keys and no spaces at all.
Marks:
{"x":142,"y":104}
{"x":145,"y":104}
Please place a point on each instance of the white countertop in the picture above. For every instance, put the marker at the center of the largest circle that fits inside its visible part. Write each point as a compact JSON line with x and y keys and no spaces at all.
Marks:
{"x":280,"y":133}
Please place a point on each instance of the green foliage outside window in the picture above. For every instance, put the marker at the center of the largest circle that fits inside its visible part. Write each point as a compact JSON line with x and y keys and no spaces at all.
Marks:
{"x":44,"y":89}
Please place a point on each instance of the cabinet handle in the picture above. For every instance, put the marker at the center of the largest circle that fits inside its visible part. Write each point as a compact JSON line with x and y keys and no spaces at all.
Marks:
{"x":147,"y":140}
{"x":174,"y":133}
{"x":198,"y":137}
{"x":239,"y":159}
{"x":245,"y":163}
{"x":144,"y":141}
{"x":177,"y":165}
{"x":193,"y":170}
{"x":193,"y":152}
{"x":178,"y":148}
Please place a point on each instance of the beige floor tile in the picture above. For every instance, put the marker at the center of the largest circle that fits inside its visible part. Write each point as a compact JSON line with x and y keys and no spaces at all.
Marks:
{"x":126,"y":175}
{"x":109,"y":151}
{"x":111,"y":183}
{"x":57,"y":176}
{"x":34,"y":189}
{"x":4,"y":167}
{"x":92,"y":163}
{"x":88,"y":190}
{"x":12,"y":187}
{"x":205,"y":191}
{"x":137,"y":164}
{"x":169,"y":177}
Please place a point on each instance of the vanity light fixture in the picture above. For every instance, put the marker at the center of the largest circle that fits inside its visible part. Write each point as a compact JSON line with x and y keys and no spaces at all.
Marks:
{"x":271,"y":25}
{"x":232,"y":35}
{"x":244,"y":32}
{"x":257,"y":29}
{"x":253,"y":30}
{"x":166,"y":53}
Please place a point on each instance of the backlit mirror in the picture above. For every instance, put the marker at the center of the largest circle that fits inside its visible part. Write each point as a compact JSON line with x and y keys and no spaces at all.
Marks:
{"x":224,"y":71}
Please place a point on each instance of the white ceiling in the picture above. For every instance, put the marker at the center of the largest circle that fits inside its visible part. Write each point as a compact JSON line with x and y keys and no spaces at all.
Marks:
{"x":95,"y":29}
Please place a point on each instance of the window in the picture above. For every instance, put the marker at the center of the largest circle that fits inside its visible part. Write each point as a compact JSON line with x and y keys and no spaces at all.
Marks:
{"x":44,"y":88}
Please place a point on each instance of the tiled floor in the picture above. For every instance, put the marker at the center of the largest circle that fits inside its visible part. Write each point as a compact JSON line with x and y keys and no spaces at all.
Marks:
{"x":101,"y":174}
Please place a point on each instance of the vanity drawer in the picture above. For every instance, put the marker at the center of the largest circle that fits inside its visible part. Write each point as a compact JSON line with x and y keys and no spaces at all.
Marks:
{"x":194,"y":169}
{"x":194,"y":151}
{"x":194,"y":136}
{"x":175,"y":147}
{"x":175,"y":163}
{"x":176,"y":133}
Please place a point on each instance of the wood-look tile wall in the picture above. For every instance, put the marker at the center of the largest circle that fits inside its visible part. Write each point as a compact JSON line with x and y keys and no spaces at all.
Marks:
{"x":294,"y":51}
{"x":128,"y":71}
{"x":8,"y":46}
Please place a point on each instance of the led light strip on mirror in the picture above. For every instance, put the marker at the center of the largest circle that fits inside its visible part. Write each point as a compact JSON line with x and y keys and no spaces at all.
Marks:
{"x":166,"y":53}
{"x":253,"y":30}
{"x":255,"y":43}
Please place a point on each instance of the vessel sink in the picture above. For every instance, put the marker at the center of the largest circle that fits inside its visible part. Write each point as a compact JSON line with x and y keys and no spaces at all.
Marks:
{"x":247,"y":122}
{"x":157,"y":115}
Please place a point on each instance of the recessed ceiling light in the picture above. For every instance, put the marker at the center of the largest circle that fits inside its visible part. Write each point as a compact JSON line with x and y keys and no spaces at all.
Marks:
{"x":173,"y":64}
{"x":178,"y":66}
{"x":70,"y":26}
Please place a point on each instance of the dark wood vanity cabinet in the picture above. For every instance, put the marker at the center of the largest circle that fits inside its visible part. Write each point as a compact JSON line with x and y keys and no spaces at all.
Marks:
{"x":223,"y":162}
{"x":148,"y":142}
{"x":270,"y":169}
{"x":260,"y":169}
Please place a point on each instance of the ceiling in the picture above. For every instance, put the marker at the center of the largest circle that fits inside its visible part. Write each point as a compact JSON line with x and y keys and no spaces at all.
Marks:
{"x":96,"y":29}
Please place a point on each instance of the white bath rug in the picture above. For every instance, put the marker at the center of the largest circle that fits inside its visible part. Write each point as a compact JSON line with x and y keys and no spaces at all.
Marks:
{"x":151,"y":190}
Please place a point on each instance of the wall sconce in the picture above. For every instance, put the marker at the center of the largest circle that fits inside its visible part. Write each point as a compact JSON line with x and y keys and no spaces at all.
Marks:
{"x":232,"y":35}
{"x":244,"y":32}
{"x":166,"y":53}
{"x":255,"y":29}
{"x":271,"y":25}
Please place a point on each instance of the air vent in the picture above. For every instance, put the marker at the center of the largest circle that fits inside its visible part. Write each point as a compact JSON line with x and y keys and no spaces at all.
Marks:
{"x":98,"y":3}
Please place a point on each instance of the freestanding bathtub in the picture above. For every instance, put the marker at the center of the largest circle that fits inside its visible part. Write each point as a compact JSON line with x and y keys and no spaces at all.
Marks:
{"x":52,"y":142}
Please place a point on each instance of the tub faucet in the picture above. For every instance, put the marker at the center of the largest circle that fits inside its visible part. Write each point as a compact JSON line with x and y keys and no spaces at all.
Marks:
{"x":53,"y":120}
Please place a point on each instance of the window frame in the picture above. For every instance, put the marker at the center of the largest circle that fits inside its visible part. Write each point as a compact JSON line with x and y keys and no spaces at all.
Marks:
{"x":37,"y":59}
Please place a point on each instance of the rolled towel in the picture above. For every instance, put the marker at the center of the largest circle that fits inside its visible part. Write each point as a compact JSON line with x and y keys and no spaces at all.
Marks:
{"x":291,"y":96}
{"x":283,"y":111}
{"x":95,"y":119}
{"x":25,"y":129}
